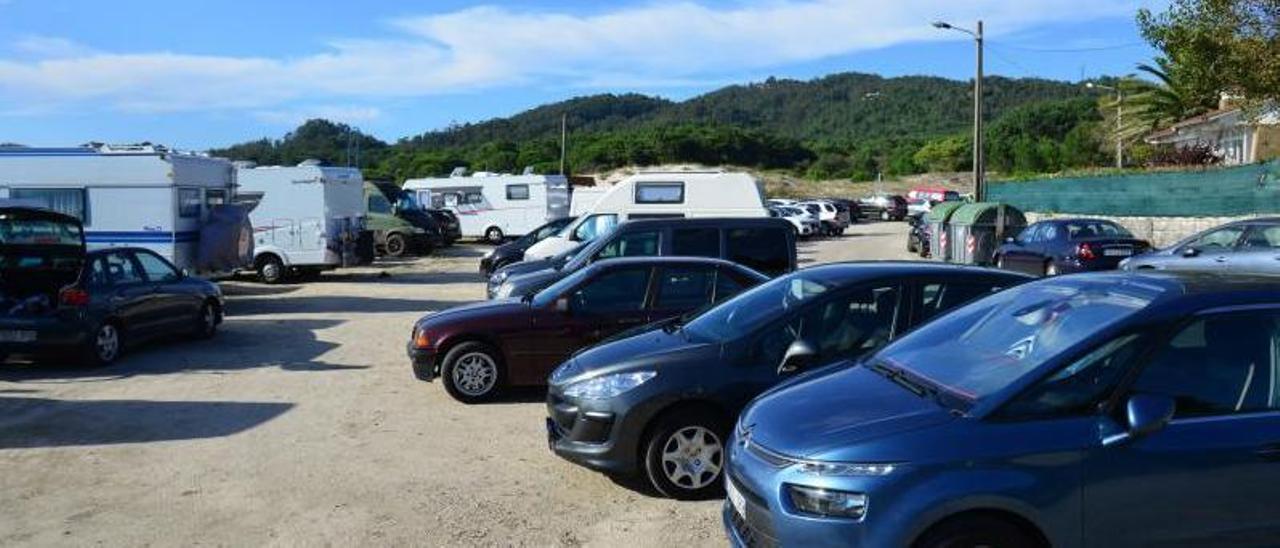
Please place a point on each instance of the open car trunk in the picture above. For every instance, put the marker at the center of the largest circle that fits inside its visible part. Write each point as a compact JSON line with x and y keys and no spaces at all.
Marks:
{"x":41,"y":252}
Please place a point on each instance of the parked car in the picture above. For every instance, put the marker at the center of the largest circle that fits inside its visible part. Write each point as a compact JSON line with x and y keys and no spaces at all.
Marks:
{"x":1065,"y":246}
{"x":918,"y":236}
{"x":827,"y":215}
{"x":1243,"y":247}
{"x":919,"y":206}
{"x":886,"y":207}
{"x":57,"y":300}
{"x":1073,"y":411}
{"x":660,"y":403}
{"x":804,"y":222}
{"x":513,"y":252}
{"x":847,"y":211}
{"x":480,"y":349}
{"x":767,"y":245}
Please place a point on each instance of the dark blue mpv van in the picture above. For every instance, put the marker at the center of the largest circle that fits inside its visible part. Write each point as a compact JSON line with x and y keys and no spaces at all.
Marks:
{"x":1090,"y":410}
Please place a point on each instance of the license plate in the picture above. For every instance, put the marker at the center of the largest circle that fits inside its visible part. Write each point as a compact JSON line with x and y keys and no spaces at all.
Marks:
{"x":736,"y":500}
{"x":1117,"y":252}
{"x":11,"y":335}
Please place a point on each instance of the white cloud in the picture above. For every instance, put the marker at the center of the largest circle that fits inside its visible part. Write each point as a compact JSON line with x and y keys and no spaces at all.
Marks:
{"x":488,"y":47}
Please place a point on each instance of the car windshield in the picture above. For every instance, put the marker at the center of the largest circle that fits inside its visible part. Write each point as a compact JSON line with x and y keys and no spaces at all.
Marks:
{"x":747,"y":311}
{"x":1080,"y":230}
{"x":984,"y":347}
{"x":549,"y":294}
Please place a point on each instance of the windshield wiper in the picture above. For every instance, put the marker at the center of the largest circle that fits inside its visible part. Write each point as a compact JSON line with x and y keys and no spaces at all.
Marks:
{"x":901,"y":379}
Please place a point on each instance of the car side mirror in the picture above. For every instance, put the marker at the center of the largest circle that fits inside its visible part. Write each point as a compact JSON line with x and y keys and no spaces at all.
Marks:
{"x":1190,"y":251}
{"x":562,"y":305}
{"x":1146,"y":414}
{"x":799,"y":355}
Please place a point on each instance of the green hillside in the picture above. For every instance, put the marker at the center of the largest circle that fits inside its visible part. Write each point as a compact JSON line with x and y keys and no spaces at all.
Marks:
{"x":844,"y":125}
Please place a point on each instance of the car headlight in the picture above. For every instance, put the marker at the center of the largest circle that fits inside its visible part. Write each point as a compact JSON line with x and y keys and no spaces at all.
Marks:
{"x":566,"y":370}
{"x":608,"y":386}
{"x":826,"y":502}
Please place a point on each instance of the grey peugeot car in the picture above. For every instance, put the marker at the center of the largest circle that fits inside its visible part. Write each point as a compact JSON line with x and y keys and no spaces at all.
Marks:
{"x":59,"y":300}
{"x":1242,"y":247}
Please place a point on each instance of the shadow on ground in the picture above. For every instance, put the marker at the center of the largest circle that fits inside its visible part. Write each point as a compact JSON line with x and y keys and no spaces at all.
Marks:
{"x":27,"y":423}
{"x":323,"y":304}
{"x":241,"y":344}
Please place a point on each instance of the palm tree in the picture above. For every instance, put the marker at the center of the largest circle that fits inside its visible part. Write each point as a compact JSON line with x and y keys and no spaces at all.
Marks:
{"x":1164,"y":101}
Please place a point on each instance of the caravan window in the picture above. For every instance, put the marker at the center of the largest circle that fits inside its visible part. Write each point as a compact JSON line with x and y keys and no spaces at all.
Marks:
{"x":517,"y":192}
{"x":68,"y":201}
{"x":188,"y":202}
{"x":473,"y":197}
{"x":214,"y":197}
{"x":659,"y":193}
{"x":450,"y":199}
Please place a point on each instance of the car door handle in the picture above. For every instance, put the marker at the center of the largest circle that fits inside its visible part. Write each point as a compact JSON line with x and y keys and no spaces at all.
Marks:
{"x":1269,"y":453}
{"x":1220,"y":259}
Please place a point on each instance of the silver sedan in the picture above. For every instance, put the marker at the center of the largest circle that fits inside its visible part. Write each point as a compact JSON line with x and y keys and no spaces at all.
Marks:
{"x":1244,"y":247}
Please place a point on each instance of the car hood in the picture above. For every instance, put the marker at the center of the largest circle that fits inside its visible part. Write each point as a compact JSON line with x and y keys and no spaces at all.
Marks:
{"x":473,"y":311}
{"x":537,"y":278}
{"x":650,"y":350}
{"x":524,"y":267}
{"x":548,"y":247}
{"x":826,"y":416}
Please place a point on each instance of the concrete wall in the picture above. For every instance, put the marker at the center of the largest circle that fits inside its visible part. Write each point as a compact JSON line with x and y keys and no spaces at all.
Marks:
{"x":1160,"y":231}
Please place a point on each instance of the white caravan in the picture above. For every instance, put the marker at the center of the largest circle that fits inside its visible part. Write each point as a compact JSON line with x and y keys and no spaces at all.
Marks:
{"x":659,"y":194}
{"x":309,"y":219}
{"x":176,"y":204}
{"x":494,"y":206}
{"x":583,"y":198}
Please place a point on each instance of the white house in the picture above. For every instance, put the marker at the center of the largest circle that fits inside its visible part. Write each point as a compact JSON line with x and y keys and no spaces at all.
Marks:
{"x":1235,"y":136}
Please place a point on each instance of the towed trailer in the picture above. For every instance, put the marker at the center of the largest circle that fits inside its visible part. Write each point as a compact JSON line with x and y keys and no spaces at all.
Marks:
{"x":180,"y":205}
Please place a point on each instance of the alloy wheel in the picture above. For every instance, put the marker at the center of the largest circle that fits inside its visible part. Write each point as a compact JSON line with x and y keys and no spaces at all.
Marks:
{"x":692,"y":457}
{"x":107,"y":343}
{"x":475,"y":374}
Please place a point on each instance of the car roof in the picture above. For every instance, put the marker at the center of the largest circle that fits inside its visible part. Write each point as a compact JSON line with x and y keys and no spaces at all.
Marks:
{"x":38,"y":213}
{"x":638,"y":224}
{"x":662,"y":260}
{"x":1185,"y":283}
{"x":855,"y":271}
{"x":106,"y":250}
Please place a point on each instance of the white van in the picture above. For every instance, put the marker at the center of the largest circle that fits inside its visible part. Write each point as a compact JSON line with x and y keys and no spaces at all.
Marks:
{"x":176,"y":204}
{"x":309,"y":219}
{"x":659,"y":194}
{"x":495,"y":206}
{"x":584,"y":198}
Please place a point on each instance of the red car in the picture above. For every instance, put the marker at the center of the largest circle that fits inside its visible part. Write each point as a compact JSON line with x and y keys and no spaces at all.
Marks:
{"x":480,"y":349}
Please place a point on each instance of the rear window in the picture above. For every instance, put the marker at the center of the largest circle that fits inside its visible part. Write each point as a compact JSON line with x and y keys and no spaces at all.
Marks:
{"x":764,"y":249}
{"x":38,"y":232}
{"x":1081,"y":230}
{"x":695,"y":242}
{"x":660,"y":193}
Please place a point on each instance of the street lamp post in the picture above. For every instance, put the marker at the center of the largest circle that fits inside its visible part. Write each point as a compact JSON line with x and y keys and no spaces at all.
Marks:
{"x":979,"y":160}
{"x":1119,"y":120}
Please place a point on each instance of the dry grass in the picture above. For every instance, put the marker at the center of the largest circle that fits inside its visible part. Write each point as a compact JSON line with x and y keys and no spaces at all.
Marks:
{"x":780,"y":184}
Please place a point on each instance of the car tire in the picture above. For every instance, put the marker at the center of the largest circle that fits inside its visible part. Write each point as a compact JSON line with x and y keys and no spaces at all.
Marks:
{"x":975,"y":531}
{"x":684,"y":456}
{"x":493,"y":235}
{"x":473,"y":372}
{"x":397,"y":245}
{"x":1050,"y":269}
{"x":105,"y":345}
{"x":206,"y":322}
{"x":271,"y":270}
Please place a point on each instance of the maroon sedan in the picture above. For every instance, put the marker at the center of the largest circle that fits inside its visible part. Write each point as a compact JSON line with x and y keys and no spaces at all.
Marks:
{"x":479,"y":349}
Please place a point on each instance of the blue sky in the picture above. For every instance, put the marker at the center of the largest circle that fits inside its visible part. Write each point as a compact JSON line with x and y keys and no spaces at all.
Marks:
{"x":199,"y":74}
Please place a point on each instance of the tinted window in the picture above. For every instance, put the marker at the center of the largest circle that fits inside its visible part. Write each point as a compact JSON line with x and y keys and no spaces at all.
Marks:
{"x":1030,"y":234}
{"x":684,"y":288}
{"x":66,"y":201}
{"x":728,"y":285}
{"x":1079,"y":230}
{"x":614,"y":291}
{"x":1218,"y":365}
{"x":659,"y":193}
{"x":158,"y":270}
{"x":1049,"y":232}
{"x":695,"y":242}
{"x":517,"y":192}
{"x":16,"y":230}
{"x":844,"y":327}
{"x":1222,"y":238}
{"x":937,"y":298}
{"x":763,"y":249}
{"x":189,"y":202}
{"x":121,"y":269}
{"x":98,"y":274}
{"x":634,"y":244}
{"x":1263,"y":237}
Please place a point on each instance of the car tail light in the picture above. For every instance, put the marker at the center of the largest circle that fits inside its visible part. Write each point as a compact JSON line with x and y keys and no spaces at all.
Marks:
{"x":73,"y":296}
{"x":1085,"y":252}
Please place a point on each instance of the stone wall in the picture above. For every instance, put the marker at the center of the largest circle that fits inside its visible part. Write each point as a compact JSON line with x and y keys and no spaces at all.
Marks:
{"x":1160,"y":231}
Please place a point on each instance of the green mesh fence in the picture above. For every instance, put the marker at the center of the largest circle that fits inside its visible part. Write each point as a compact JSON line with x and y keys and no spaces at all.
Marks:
{"x":1221,"y":192}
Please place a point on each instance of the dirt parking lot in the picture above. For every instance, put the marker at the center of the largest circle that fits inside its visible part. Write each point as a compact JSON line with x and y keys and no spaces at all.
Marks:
{"x":301,"y":424}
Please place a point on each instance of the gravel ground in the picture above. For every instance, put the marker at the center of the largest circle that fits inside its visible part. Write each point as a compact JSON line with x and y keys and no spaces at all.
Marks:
{"x":301,"y":424}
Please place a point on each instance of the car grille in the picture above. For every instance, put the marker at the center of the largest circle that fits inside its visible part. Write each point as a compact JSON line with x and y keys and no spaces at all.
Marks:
{"x":769,"y":456}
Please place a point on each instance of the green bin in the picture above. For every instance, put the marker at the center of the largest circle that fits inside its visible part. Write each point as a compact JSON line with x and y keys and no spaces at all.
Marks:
{"x":976,"y":230}
{"x":937,"y":223}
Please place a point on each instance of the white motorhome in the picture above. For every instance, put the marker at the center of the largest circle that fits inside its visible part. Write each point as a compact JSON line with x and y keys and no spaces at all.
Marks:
{"x":660,"y":194}
{"x":176,"y":204}
{"x":583,"y":198}
{"x":309,"y":219}
{"x":495,"y":206}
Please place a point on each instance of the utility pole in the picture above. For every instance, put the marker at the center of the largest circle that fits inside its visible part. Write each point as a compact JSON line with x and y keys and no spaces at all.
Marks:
{"x":564,"y":138}
{"x":1119,"y":120}
{"x":979,"y":159}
